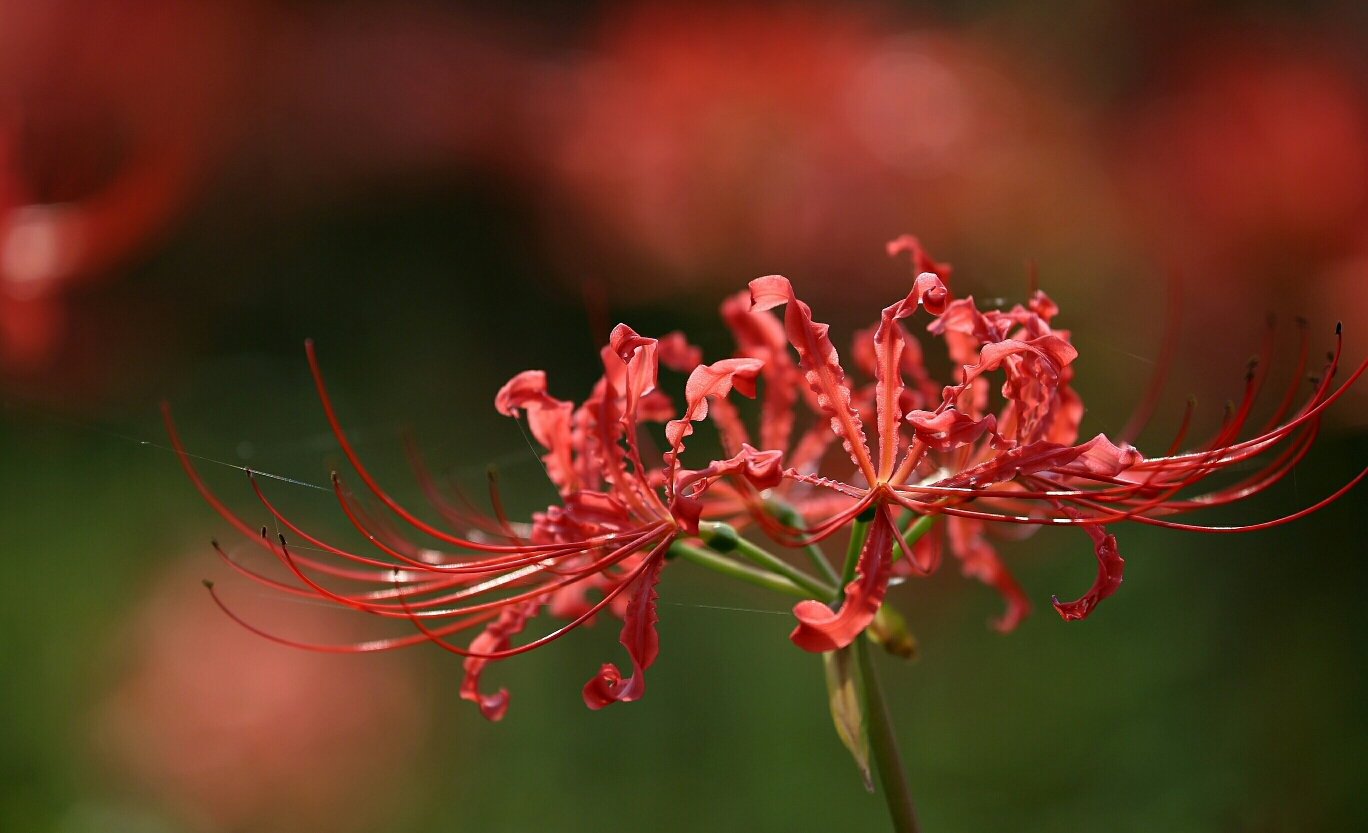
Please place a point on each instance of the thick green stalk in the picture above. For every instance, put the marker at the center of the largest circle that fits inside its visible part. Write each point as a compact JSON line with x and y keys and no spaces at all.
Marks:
{"x":884,"y":744}
{"x":724,"y":538}
{"x":859,"y":531}
{"x":735,"y":569}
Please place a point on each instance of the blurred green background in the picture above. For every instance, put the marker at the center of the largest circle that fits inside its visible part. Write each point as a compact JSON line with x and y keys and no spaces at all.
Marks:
{"x":1221,"y":689}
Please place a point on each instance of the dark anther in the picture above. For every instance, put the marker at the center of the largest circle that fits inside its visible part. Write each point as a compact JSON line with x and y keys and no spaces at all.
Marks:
{"x":207,"y":583}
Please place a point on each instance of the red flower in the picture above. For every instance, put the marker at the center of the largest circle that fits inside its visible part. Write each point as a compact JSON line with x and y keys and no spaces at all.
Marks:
{"x":942,"y":454}
{"x":939,"y":453}
{"x":609,"y":536}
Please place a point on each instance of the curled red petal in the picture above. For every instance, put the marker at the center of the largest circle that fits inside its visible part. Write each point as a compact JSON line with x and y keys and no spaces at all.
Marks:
{"x":921,"y":261}
{"x":624,"y":341}
{"x":890,"y":341}
{"x":527,"y":387}
{"x":1055,"y":350}
{"x":965,"y":329}
{"x":913,"y":362}
{"x":639,"y":354}
{"x":551,"y":421}
{"x":760,"y":336}
{"x":709,"y":380}
{"x":606,"y":687}
{"x":949,"y":429}
{"x":762,"y":469}
{"x":1026,"y":459}
{"x":1035,"y":368}
{"x":1042,"y":305}
{"x":821,"y":629}
{"x":638,"y":388}
{"x":820,"y":364}
{"x":495,"y":637}
{"x":1101,"y":457}
{"x":1109,"y":569}
{"x":640,"y":639}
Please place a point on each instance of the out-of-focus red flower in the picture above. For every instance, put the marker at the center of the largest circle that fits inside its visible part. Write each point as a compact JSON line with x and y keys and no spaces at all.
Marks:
{"x":697,"y":140}
{"x":1250,"y":151}
{"x":1244,"y":164}
{"x":112,"y":117}
{"x":226,"y":731}
{"x":115,"y":119}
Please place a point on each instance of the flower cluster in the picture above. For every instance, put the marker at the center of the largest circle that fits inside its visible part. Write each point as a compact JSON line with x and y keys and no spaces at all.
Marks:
{"x":941,"y":452}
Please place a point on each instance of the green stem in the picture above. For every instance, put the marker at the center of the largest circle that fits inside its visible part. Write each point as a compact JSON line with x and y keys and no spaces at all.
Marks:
{"x":884,"y":744}
{"x":735,"y":569}
{"x":788,"y":516}
{"x":859,"y":531}
{"x":724,"y":538}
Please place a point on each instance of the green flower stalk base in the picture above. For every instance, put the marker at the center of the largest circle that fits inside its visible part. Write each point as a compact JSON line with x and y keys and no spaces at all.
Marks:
{"x":858,"y":707}
{"x":884,"y":743}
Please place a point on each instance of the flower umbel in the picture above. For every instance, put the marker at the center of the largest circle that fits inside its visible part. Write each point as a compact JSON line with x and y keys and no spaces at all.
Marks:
{"x":940,"y":451}
{"x":608,"y":537}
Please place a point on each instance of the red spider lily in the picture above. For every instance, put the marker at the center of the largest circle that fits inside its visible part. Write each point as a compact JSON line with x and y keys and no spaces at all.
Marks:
{"x":940,"y":453}
{"x":617,"y":519}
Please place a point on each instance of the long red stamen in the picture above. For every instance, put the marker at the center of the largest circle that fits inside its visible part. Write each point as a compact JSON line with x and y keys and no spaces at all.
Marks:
{"x":459,"y":517}
{"x":353,"y":648}
{"x":374,"y":486}
{"x":436,"y":634}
